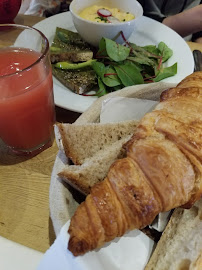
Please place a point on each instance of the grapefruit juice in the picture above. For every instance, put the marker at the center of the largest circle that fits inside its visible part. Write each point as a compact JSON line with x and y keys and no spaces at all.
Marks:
{"x":27,"y":110}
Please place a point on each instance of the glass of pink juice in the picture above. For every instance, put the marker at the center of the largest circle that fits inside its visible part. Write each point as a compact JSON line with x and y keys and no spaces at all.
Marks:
{"x":27,"y":112}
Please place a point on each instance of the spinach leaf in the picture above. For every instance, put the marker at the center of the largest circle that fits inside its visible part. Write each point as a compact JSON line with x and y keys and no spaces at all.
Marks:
{"x":99,"y":68}
{"x":165,"y":51}
{"x":128,"y":74}
{"x":166,"y":72}
{"x":110,"y":78}
{"x":102,"y":89}
{"x":140,"y":67}
{"x":152,"y":49}
{"x":102,"y":48}
{"x":143,"y":60}
{"x":106,"y":73}
{"x":137,"y":50}
{"x":115,"y":51}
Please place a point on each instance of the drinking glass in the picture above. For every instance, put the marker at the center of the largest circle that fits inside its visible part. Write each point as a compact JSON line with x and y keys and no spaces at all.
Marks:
{"x":27,"y":112}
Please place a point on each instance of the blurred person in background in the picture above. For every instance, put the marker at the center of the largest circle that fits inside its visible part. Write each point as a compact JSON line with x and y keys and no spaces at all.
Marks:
{"x":45,"y":8}
{"x":183,"y":16}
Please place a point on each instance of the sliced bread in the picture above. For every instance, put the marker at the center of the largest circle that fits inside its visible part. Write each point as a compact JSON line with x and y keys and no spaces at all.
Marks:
{"x":81,"y":142}
{"x":180,"y":246}
{"x":94,"y":169}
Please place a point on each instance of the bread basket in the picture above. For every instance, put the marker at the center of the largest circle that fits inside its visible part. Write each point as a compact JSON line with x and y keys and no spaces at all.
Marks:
{"x":62,"y":202}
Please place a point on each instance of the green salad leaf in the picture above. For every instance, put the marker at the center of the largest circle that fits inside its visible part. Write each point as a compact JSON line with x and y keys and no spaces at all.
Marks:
{"x":99,"y":68}
{"x":114,"y":50}
{"x":165,"y":51}
{"x":129,"y":74}
{"x":119,"y":66}
{"x":110,"y":77}
{"x":165,"y":73}
{"x":102,"y":88}
{"x":152,"y":49}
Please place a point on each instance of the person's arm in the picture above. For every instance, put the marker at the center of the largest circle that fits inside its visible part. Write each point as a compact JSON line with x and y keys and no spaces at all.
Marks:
{"x":198,"y":40}
{"x":186,"y":22}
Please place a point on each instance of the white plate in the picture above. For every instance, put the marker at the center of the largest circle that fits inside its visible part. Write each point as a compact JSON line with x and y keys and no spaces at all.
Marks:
{"x":147,"y":32}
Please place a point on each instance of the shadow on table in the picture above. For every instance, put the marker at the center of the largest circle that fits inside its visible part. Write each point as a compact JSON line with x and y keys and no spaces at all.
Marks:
{"x":66,"y":116}
{"x":7,"y":157}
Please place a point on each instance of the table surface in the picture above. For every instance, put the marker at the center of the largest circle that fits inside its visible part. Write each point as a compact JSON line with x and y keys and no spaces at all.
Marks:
{"x":24,"y":185}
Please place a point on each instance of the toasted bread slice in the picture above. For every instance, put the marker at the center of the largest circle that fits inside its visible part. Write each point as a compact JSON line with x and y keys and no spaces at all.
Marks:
{"x":81,"y":142}
{"x":79,"y":81}
{"x":69,"y":46}
{"x":94,"y":169}
{"x":180,"y":246}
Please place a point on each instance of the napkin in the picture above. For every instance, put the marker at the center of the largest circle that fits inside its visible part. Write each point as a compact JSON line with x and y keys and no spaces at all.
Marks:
{"x":129,"y":252}
{"x":121,"y":109}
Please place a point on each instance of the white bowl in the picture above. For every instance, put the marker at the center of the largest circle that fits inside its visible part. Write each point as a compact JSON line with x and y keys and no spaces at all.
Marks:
{"x":92,"y":32}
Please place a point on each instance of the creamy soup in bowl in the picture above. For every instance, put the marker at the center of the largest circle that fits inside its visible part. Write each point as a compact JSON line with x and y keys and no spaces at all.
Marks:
{"x":105,"y":14}
{"x":94,"y":19}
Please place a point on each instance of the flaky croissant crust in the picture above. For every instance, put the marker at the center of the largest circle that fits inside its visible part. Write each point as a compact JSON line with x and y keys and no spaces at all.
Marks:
{"x":162,"y":171}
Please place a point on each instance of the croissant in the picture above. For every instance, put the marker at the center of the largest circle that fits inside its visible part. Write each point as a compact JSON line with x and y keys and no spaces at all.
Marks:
{"x":162,"y":171}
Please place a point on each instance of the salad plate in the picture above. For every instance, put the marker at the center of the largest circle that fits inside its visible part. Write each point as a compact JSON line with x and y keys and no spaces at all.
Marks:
{"x":146,"y":32}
